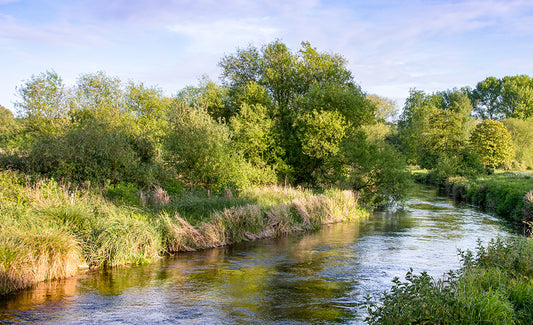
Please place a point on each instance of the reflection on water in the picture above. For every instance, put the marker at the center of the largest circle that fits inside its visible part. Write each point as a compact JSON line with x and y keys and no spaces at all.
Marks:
{"x":305,"y":278}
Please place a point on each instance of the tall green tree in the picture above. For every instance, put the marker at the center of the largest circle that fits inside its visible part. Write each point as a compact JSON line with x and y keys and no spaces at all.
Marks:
{"x":522,"y":134}
{"x":209,"y":96}
{"x":98,"y":98}
{"x":517,"y":96}
{"x":435,"y":126}
{"x":44,"y":103}
{"x":253,"y":133}
{"x":493,"y":142}
{"x":199,"y":149}
{"x":385,"y":108}
{"x":413,"y":122}
{"x":486,"y":98}
{"x":299,"y":87}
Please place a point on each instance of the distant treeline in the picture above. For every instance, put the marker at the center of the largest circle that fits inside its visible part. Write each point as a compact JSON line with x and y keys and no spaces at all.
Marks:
{"x":462,"y":131}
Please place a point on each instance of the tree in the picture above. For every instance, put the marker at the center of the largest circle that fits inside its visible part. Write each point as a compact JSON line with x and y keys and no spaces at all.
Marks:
{"x":98,"y":98}
{"x":44,"y":102}
{"x":385,"y":107}
{"x":434,"y":126}
{"x":413,"y":122}
{"x":493,"y":142}
{"x":146,"y":116}
{"x":8,"y":126}
{"x":522,"y":134}
{"x":96,"y":153}
{"x":320,"y":135}
{"x":486,"y":98}
{"x":517,"y":97}
{"x":376,"y":170}
{"x":298,"y":89}
{"x":209,"y":96}
{"x":199,"y":149}
{"x":253,"y":134}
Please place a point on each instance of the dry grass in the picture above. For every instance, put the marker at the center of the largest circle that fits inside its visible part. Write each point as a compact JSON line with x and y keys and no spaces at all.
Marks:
{"x":34,"y":255}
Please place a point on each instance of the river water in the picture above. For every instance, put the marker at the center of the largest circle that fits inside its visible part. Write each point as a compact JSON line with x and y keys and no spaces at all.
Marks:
{"x":318,"y":278}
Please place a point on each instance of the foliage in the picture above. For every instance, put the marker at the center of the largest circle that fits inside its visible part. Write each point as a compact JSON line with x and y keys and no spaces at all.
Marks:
{"x":98,"y":98}
{"x":517,"y":96}
{"x":253,"y":134}
{"x":199,"y":149}
{"x":95,"y":153}
{"x":491,"y":140}
{"x":385,"y":108}
{"x":435,"y":127}
{"x":44,"y":103}
{"x":210,"y":97}
{"x":376,"y":170}
{"x":486,"y":98}
{"x":492,"y":287}
{"x":306,"y":102}
{"x":501,"y":193}
{"x":522,"y":135}
{"x":511,"y":96}
{"x":278,"y":116}
{"x":9,"y":127}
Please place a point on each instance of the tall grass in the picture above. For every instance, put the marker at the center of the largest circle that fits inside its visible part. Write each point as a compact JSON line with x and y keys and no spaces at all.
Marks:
{"x":49,"y":229}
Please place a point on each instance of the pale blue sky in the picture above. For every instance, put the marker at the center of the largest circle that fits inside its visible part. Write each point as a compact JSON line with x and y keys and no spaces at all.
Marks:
{"x":391,"y":46}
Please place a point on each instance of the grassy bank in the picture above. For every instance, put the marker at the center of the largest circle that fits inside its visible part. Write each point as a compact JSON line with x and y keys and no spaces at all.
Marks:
{"x":506,"y":194}
{"x":50,"y":230}
{"x":503,"y":193}
{"x":494,"y":286}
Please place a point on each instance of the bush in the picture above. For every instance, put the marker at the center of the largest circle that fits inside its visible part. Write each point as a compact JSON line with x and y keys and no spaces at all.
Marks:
{"x":199,"y":149}
{"x":96,"y":153}
{"x":492,"y":287}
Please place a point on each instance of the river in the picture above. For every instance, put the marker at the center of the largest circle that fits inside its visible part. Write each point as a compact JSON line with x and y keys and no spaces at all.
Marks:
{"x":320,"y":277}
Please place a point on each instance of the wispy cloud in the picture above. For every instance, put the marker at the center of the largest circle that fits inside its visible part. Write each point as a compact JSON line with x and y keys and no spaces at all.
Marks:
{"x":391,"y":45}
{"x":221,"y":35}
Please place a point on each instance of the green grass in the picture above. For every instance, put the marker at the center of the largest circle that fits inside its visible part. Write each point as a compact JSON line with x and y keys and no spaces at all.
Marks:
{"x":50,"y":229}
{"x":501,"y":193}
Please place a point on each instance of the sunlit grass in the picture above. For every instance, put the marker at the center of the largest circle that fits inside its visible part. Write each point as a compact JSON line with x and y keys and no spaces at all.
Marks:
{"x":50,"y":229}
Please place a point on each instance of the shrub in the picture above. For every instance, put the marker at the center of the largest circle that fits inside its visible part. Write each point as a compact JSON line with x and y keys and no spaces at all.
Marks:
{"x":96,"y":153}
{"x":492,"y":287}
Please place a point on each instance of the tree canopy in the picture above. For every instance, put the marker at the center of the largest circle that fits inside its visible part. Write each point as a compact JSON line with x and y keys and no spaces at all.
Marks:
{"x":278,"y":115}
{"x":491,"y":140}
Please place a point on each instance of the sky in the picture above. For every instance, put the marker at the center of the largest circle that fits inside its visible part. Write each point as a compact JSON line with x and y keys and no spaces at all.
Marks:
{"x":391,"y":46}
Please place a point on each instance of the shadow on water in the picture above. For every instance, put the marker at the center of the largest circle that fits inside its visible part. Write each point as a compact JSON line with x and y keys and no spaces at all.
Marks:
{"x":321,"y":277}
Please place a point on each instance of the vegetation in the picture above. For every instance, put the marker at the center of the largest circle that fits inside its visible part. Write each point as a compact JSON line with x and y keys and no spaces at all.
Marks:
{"x":49,"y":230}
{"x":104,"y":173}
{"x":493,"y":287}
{"x":503,"y":194}
{"x":492,"y":142}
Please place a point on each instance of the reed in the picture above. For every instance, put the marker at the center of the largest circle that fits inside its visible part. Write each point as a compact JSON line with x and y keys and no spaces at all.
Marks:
{"x":50,"y":229}
{"x":35,"y":254}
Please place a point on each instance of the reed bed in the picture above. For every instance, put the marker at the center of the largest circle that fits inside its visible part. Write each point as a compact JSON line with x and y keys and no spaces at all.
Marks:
{"x":51,"y":230}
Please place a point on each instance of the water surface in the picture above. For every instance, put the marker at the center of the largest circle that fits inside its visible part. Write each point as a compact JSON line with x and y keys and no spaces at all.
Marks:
{"x":321,"y":277}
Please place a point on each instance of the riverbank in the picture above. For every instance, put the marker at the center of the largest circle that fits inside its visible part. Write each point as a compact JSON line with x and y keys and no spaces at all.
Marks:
{"x":494,"y":286}
{"x":508,"y":195}
{"x":51,"y":230}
